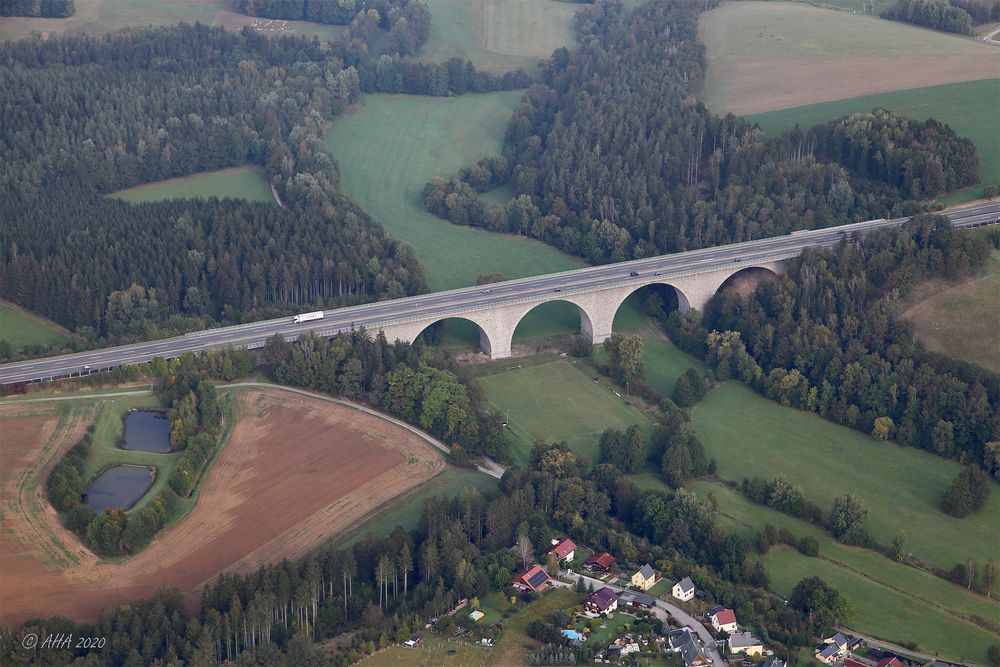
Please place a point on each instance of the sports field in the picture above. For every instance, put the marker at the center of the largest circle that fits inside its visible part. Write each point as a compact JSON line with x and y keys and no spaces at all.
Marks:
{"x":264,"y":499}
{"x":499,"y":35}
{"x":393,"y":145}
{"x":247,"y":182}
{"x":970,"y":108}
{"x":868,"y":578}
{"x":901,"y":487}
{"x":764,"y":56}
{"x":19,"y":328}
{"x":963,"y":320}
{"x":95,"y":17}
{"x":557,"y":401}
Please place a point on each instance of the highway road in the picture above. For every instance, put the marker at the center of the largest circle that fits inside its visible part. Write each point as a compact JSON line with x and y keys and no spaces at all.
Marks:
{"x":456,"y":302}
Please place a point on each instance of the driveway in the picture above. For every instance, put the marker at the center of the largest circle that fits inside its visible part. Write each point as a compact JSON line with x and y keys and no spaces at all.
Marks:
{"x":663,"y":611}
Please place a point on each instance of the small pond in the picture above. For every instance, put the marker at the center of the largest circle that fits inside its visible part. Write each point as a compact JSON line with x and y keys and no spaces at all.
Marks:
{"x":147,"y":431}
{"x":119,"y":486}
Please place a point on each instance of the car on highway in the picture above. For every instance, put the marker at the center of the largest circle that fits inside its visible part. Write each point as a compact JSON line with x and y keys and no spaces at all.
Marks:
{"x":634,"y":274}
{"x":487,"y":291}
{"x":658,"y":273}
{"x":558,"y":289}
{"x":86,"y":368}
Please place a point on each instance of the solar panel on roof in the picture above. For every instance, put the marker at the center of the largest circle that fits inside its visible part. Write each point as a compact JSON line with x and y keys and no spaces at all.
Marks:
{"x":537,"y":578}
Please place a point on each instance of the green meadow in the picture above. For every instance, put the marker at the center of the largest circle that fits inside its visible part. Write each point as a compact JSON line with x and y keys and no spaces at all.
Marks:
{"x":901,"y":487}
{"x":20,"y":327}
{"x":247,"y":182}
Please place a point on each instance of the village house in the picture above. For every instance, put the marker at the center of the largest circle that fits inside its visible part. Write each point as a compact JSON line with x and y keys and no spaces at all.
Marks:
{"x":644,"y":578}
{"x":599,"y":562}
{"x":603,"y":601}
{"x":774,"y":662}
{"x":632,"y":599}
{"x":683,"y":590}
{"x":723,"y":620}
{"x":745,"y":642}
{"x":684,"y":642}
{"x":535,"y":578}
{"x":832,"y":649}
{"x":563,"y":549}
{"x":890,"y":662}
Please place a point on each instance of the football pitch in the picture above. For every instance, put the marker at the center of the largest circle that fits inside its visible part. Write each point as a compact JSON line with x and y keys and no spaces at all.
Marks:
{"x":557,"y":401}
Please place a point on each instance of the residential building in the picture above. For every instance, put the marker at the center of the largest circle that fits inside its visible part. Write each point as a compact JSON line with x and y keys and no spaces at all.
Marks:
{"x":644,"y":578}
{"x":599,"y":562}
{"x":774,"y":662}
{"x":602,"y":601}
{"x":724,"y":620}
{"x":683,"y":641}
{"x":563,"y":549}
{"x":535,"y":578}
{"x":683,"y":590}
{"x":890,"y":662}
{"x":745,"y":642}
{"x":851,"y":662}
{"x":632,"y":599}
{"x":832,"y":649}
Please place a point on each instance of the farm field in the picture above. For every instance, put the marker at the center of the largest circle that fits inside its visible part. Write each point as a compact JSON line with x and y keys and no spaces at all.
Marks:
{"x":557,"y":401}
{"x":882,"y":611}
{"x":100,"y":16}
{"x":947,"y":604}
{"x":20,"y":327}
{"x":962,"y":321}
{"x":266,"y":498}
{"x":392,"y":146}
{"x":764,"y":56}
{"x":748,"y":435}
{"x":247,"y":182}
{"x":967,"y":107}
{"x":499,"y":35}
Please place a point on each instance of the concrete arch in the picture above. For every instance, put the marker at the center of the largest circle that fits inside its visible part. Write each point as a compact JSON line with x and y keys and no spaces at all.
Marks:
{"x":683,"y":303}
{"x":586,"y":321}
{"x":486,"y":342}
{"x":748,"y":271}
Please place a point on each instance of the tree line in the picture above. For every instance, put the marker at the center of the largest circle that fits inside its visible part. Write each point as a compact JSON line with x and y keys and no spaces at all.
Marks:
{"x":941,"y":15}
{"x":46,"y":9}
{"x":612,"y":157}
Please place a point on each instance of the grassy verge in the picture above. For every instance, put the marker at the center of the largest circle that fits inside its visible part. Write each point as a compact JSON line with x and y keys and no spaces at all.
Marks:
{"x":557,"y":401}
{"x":749,"y":435}
{"x":247,"y":182}
{"x":20,"y":327}
{"x":969,"y":108}
{"x":392,"y":146}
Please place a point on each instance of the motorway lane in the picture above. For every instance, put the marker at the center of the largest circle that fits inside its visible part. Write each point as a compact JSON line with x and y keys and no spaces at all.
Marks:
{"x":453,"y":302}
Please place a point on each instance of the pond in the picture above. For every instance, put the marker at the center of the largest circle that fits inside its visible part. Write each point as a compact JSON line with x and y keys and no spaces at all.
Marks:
{"x":119,"y":486}
{"x":147,"y":431}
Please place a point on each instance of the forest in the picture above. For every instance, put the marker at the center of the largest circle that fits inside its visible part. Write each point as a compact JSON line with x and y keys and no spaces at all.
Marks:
{"x":940,"y":15}
{"x":613,"y":158}
{"x":826,"y":338}
{"x":48,"y":9}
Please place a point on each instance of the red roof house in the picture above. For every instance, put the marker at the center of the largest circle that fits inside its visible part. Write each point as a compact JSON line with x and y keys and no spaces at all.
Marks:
{"x":890,"y":662}
{"x":724,"y":620}
{"x":564,"y":550}
{"x":535,"y":578}
{"x":602,"y":561}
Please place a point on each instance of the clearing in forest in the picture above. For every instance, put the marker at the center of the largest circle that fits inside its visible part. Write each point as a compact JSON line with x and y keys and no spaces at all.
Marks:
{"x":764,"y":56}
{"x":20,"y":327}
{"x":248,"y":182}
{"x":499,"y":35}
{"x":295,"y":471}
{"x":95,"y":17}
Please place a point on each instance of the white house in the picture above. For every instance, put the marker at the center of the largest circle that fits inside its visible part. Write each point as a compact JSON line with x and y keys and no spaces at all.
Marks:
{"x":563,"y":549}
{"x":683,"y":590}
{"x":745,"y":642}
{"x":724,"y":620}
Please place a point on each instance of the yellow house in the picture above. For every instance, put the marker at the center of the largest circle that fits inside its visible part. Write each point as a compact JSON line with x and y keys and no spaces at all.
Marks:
{"x":644,"y":578}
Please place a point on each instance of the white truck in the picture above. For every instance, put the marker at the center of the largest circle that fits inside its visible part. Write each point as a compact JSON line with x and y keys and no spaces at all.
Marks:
{"x":308,"y":317}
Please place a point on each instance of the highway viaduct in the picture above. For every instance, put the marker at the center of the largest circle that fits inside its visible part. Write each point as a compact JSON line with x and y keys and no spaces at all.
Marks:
{"x":496,"y":309}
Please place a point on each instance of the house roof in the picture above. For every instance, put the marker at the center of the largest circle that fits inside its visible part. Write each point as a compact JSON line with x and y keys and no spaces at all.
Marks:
{"x":851,"y":662}
{"x":724,"y":617}
{"x":743,"y":640}
{"x":890,"y":662}
{"x":602,"y":598}
{"x":533,"y":577}
{"x":690,"y":650}
{"x":838,"y":639}
{"x":629,"y":597}
{"x":564,"y":548}
{"x":828,"y":650}
{"x":646,"y":571}
{"x":686,"y":584}
{"x":604,"y":559}
{"x":775,"y":662}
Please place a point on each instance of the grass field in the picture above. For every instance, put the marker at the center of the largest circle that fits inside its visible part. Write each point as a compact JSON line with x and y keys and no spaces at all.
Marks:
{"x":962,"y":321}
{"x":901,"y":487}
{"x":557,"y":401}
{"x":392,"y":146}
{"x":100,"y":16}
{"x":19,"y":328}
{"x":499,"y":35}
{"x":867,"y":575}
{"x":247,"y":182}
{"x":764,"y":56}
{"x":432,"y":650}
{"x":969,"y":108}
{"x":515,"y":645}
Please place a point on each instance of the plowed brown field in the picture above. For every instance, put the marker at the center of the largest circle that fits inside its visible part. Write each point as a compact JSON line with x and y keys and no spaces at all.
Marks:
{"x":295,"y":471}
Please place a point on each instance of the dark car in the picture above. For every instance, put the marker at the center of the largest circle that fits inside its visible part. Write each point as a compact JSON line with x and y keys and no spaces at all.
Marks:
{"x":634,"y":274}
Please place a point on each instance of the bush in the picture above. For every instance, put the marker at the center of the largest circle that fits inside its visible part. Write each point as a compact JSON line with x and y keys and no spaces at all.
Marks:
{"x":581,"y":347}
{"x":967,"y":493}
{"x":809,"y":546}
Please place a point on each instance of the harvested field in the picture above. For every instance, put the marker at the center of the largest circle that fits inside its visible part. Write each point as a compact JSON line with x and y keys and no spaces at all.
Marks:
{"x":764,"y":56}
{"x":294,"y":472}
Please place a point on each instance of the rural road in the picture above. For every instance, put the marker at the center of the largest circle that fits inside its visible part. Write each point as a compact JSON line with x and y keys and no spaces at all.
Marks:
{"x":663,"y":611}
{"x":878,"y":643}
{"x":462,"y":302}
{"x":491,"y":467}
{"x":989,"y":37}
